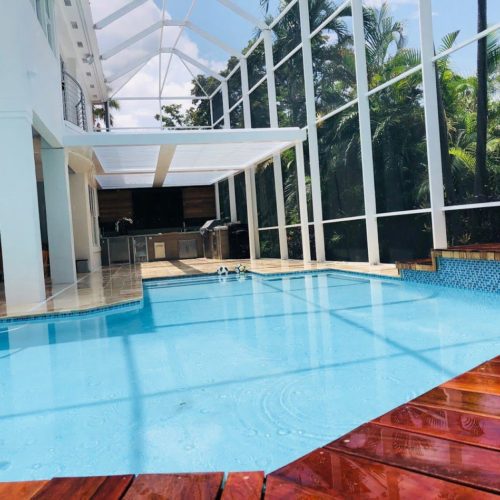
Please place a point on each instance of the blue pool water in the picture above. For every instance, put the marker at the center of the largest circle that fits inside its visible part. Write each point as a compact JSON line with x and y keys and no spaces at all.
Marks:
{"x":228,"y":374}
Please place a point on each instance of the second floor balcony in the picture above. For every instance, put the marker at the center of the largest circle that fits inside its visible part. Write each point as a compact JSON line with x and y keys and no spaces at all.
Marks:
{"x":74,"y":105}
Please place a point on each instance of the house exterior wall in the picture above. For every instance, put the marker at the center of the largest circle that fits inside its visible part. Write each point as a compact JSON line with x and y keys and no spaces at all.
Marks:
{"x":35,"y":37}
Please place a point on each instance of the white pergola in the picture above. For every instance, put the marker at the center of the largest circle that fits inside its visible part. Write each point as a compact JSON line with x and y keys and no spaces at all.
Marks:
{"x":241,"y":158}
{"x":193,"y":158}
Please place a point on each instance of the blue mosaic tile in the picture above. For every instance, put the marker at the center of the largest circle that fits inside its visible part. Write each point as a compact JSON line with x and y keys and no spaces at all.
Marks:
{"x":132,"y":305}
{"x":479,"y":275}
{"x":330,"y":271}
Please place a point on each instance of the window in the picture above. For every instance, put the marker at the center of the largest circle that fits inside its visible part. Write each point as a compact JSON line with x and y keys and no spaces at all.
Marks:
{"x":45,"y":13}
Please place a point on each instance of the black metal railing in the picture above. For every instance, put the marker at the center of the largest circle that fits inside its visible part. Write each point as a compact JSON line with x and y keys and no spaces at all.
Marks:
{"x":74,"y":107}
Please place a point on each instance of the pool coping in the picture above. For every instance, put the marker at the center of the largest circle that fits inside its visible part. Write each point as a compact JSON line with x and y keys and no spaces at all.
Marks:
{"x":137,"y":302}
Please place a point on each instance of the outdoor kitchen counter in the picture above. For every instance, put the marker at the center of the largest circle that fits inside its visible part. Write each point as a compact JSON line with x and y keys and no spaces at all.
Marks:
{"x":152,"y":247}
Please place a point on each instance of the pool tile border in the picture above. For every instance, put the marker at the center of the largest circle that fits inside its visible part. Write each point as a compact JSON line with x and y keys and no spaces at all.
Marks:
{"x":132,"y":305}
{"x":407,"y":276}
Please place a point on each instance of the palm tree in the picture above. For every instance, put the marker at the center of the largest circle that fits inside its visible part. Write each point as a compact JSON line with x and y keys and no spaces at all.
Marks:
{"x":100,"y":113}
{"x":442,"y":64}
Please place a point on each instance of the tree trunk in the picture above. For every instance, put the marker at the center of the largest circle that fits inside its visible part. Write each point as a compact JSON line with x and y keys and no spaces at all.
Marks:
{"x":481,"y":173}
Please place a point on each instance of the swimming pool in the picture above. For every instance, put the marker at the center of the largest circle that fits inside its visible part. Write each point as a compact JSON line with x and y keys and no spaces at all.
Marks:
{"x":234,"y":373}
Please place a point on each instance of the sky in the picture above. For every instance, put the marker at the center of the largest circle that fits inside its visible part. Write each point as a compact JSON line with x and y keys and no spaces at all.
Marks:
{"x":448,"y":16}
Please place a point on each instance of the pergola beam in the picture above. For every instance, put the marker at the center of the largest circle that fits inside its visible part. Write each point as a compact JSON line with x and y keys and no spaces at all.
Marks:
{"x":165,"y":98}
{"x":165,"y":157}
{"x":222,"y":136}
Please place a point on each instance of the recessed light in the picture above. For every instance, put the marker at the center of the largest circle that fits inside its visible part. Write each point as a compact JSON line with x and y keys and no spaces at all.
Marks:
{"x":92,"y":86}
{"x":80,"y":44}
{"x":74,"y":25}
{"x":67,"y":3}
{"x":88,"y":73}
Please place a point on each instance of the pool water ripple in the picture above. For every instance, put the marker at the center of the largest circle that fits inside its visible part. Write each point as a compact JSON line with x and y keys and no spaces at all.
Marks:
{"x":232,"y":373}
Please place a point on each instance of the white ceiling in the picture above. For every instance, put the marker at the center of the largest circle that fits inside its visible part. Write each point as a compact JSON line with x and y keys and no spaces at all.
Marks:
{"x":191,"y":165}
{"x":128,"y":159}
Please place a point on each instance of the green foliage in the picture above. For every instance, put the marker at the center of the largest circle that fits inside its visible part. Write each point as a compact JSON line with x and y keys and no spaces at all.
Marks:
{"x":397,"y":122}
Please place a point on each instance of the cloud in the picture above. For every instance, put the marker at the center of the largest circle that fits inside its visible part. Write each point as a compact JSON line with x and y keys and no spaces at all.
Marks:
{"x":146,"y":81}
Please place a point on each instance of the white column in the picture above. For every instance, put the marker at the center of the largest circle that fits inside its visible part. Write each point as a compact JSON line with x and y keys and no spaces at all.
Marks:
{"x":82,"y":221}
{"x":305,"y":31}
{"x":436,"y":191}
{"x":273,"y":119}
{"x":255,"y":213}
{"x":217,"y":201}
{"x":59,"y":219}
{"x":19,"y":218}
{"x":232,"y":199}
{"x":225,"y":104}
{"x":365,"y":133}
{"x":304,"y":219}
{"x":250,"y":214}
{"x":247,"y":114}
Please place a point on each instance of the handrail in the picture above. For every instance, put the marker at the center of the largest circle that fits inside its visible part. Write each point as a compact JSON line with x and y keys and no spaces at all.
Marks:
{"x":74,"y":107}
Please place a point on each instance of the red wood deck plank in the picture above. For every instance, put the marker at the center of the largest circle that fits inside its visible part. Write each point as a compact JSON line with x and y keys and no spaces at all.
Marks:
{"x":467,"y":401}
{"x":81,"y":488}
{"x":176,"y":486}
{"x":448,"y":460}
{"x":447,"y":424}
{"x":113,"y":487}
{"x":20,"y":490}
{"x":476,"y":382}
{"x":491,"y":368}
{"x":281,"y":489}
{"x":243,"y":486}
{"x":328,"y":474}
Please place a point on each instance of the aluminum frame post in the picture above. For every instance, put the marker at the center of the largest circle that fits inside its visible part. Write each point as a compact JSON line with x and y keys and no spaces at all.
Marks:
{"x":436,"y":190}
{"x":250,"y":214}
{"x":304,"y":218}
{"x":247,"y":112}
{"x":305,"y":31}
{"x":225,"y":104}
{"x":255,"y":212}
{"x":273,"y":119}
{"x":365,"y":134}
{"x":107,"y":118}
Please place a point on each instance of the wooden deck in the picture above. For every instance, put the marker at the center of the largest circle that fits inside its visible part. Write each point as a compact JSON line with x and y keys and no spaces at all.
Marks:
{"x":484,"y":251}
{"x":444,"y":444}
